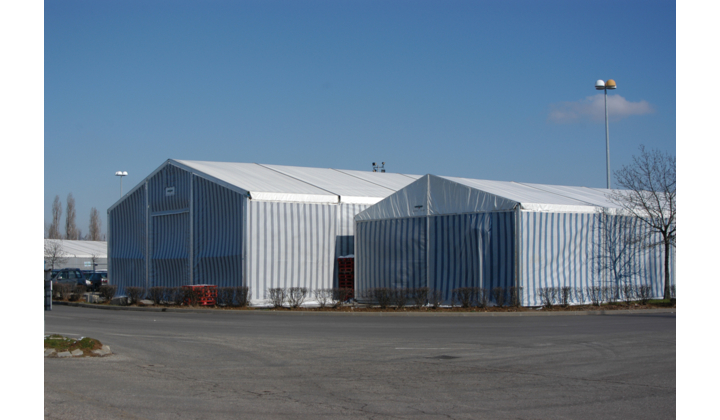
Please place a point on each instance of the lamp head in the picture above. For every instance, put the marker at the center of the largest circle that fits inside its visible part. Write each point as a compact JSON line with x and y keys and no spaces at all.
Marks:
{"x":610,"y":84}
{"x":600,"y":85}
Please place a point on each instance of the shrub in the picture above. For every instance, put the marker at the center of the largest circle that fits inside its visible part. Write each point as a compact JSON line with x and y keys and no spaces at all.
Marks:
{"x":515,"y":296}
{"x":466,"y":296}
{"x":176,"y":295}
{"x":225,"y":296}
{"x":323,"y":297}
{"x":134,"y":293}
{"x":340,"y":295}
{"x":483,"y":297}
{"x":296,"y":296}
{"x":499,"y":296}
{"x":580,"y":295}
{"x":382,"y":295}
{"x":399,"y":297}
{"x":435,"y":298}
{"x":419,"y":296}
{"x":156,"y":294}
{"x":61,"y":290}
{"x":629,"y":292}
{"x":644,"y":293}
{"x":610,"y":294}
{"x":277,"y":296}
{"x":242,"y":296}
{"x":566,"y":293}
{"x":107,"y":291}
{"x":548,"y":295}
{"x":77,"y":292}
{"x":595,"y":294}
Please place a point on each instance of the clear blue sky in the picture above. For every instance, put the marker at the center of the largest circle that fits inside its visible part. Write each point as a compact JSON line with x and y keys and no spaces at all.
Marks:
{"x":478,"y":89}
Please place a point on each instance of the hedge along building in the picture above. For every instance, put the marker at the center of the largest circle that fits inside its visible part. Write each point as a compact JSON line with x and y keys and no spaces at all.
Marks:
{"x":445,"y":233}
{"x":239,"y":224}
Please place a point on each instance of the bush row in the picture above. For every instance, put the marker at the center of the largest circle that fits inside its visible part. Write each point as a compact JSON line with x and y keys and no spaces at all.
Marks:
{"x":627,"y":293}
{"x":161,"y":295}
{"x":295,"y":296}
{"x":465,"y":297}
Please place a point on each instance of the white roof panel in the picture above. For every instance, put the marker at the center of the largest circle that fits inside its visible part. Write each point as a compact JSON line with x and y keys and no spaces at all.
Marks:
{"x":82,"y":249}
{"x":300,"y":184}
{"x":436,"y":195}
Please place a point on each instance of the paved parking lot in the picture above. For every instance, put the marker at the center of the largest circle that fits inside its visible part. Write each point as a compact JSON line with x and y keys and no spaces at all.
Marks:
{"x":266,"y":365}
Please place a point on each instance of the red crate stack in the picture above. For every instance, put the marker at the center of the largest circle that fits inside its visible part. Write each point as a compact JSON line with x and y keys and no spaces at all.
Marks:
{"x":206,"y":294}
{"x":346,"y":274}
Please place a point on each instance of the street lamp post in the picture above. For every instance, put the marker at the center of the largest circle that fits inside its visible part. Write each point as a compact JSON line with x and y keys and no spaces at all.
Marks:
{"x":121,"y":174}
{"x":600,"y":85}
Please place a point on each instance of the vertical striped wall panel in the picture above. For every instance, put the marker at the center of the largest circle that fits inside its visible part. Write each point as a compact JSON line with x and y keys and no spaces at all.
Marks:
{"x":563,"y":249}
{"x":289,"y":245}
{"x":127,"y":241}
{"x":170,"y":247}
{"x":390,"y":253}
{"x":217,"y":234}
{"x":169,"y":176}
{"x":471,"y":250}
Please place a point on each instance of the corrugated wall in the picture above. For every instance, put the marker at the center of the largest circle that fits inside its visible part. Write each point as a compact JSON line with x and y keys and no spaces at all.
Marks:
{"x":218,"y":234}
{"x":126,"y":241}
{"x":289,"y":245}
{"x":170,"y":250}
{"x":559,"y":249}
{"x":390,"y":253}
{"x":471,"y":250}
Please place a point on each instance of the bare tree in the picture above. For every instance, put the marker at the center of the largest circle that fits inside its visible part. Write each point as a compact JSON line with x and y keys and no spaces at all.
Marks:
{"x":71,"y":231}
{"x":95,"y":224}
{"x":54,"y":229}
{"x":618,"y":245}
{"x":54,"y":253}
{"x":651,"y":198}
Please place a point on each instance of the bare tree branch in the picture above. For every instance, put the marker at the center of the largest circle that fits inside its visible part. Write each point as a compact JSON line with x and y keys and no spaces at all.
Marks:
{"x":54,"y":253}
{"x":650,"y":196}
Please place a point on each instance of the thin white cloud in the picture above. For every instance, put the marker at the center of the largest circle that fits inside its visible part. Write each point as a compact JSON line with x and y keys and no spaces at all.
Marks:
{"x":592,"y":108}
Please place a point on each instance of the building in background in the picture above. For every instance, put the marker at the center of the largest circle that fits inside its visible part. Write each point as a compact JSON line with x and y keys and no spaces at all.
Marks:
{"x":76,"y":254}
{"x":239,"y":224}
{"x":446,"y":233}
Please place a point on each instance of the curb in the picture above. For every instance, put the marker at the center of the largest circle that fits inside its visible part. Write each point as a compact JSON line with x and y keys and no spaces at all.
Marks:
{"x":271,"y":311}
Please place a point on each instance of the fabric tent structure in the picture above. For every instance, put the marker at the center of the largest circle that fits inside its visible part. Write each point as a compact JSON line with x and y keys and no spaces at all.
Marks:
{"x":80,"y":254}
{"x":445,"y":233}
{"x":239,"y":224}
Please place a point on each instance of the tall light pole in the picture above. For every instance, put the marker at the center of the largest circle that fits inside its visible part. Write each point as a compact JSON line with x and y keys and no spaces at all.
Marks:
{"x":600,"y":85}
{"x":121,"y":174}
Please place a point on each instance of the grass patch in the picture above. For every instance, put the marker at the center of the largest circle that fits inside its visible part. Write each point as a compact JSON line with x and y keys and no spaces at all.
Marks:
{"x":60,"y":344}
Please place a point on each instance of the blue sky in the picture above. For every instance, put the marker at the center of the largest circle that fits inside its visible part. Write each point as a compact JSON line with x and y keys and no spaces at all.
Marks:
{"x":478,"y":89}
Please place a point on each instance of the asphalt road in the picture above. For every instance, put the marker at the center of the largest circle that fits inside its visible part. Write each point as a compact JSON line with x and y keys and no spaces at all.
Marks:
{"x":265,"y":365}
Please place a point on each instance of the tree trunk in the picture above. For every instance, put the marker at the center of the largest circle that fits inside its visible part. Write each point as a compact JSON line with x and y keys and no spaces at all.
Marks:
{"x":666,"y":292}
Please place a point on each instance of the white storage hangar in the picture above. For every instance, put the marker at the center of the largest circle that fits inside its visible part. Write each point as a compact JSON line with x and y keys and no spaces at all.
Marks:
{"x":78,"y":254}
{"x":239,"y":224}
{"x":445,"y":233}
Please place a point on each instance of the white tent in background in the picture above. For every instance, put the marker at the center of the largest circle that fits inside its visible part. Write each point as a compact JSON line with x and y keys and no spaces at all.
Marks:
{"x":239,"y":224}
{"x":79,"y":254}
{"x":444,"y":233}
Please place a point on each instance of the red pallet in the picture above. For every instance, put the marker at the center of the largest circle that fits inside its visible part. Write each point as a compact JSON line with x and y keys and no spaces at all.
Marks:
{"x":206,"y":294}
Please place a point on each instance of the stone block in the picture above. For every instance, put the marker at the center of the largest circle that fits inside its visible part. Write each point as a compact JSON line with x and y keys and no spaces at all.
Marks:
{"x":76,"y":352}
{"x":64,"y":354}
{"x":104,"y":351}
{"x":49,"y":352}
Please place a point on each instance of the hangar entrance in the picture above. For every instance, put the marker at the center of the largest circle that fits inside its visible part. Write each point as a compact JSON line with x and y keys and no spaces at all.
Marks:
{"x":170,"y":260}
